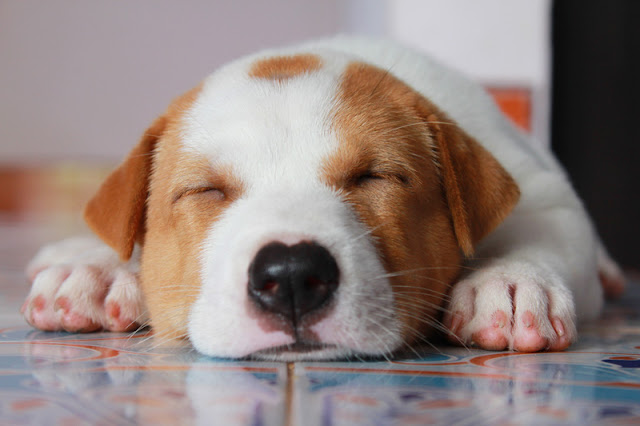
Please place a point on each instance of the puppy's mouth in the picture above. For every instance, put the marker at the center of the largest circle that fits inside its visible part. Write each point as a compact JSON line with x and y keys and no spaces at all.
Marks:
{"x":299,"y":349}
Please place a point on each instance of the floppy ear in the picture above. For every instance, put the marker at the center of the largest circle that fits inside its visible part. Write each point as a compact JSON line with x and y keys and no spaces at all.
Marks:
{"x":479,"y":191}
{"x":116,"y":213}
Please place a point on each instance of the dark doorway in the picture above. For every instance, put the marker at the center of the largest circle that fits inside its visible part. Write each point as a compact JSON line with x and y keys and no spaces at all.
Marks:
{"x":596,"y":114}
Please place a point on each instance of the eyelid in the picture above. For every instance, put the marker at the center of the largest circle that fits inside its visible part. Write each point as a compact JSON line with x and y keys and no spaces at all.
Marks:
{"x":367,"y":176}
{"x":376,"y":175}
{"x":196,"y":190}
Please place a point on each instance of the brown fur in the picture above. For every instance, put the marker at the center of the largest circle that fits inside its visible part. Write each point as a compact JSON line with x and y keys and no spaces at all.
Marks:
{"x":480,"y":193}
{"x":438,"y":190}
{"x":116,"y":212}
{"x":281,"y":68}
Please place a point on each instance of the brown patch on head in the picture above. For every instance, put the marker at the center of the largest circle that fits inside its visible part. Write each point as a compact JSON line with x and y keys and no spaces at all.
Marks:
{"x":281,"y":68}
{"x":165,"y":199}
{"x":427,"y":190}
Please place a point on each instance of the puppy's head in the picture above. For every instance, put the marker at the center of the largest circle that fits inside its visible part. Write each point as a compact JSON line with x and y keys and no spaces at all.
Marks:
{"x":304,"y":206}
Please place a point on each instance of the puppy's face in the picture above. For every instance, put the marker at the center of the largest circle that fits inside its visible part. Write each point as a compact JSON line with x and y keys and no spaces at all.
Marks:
{"x":301,"y":207}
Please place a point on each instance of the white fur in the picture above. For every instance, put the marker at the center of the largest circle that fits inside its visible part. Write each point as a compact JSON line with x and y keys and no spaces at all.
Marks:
{"x":88,"y":273}
{"x":274,"y":138}
{"x":357,"y":323}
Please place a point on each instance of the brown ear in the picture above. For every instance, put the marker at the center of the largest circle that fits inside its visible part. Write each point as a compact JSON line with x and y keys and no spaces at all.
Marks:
{"x":479,"y":191}
{"x":116,"y":213}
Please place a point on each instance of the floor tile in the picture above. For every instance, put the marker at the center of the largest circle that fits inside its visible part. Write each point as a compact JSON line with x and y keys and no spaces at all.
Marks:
{"x":110,"y":378}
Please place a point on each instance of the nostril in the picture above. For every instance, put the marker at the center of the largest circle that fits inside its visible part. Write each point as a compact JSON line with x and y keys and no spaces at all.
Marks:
{"x":313,"y":282}
{"x":292,"y":280}
{"x":270,"y":287}
{"x":319,"y":288}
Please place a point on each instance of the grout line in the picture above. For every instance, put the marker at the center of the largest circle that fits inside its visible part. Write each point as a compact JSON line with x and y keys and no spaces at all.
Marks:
{"x":288,"y":415}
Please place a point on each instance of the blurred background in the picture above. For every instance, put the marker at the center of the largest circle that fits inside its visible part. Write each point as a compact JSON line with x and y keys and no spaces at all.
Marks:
{"x":80,"y":81}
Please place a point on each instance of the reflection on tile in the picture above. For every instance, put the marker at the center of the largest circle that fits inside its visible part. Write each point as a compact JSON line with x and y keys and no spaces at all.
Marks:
{"x":117,"y":378}
{"x":109,"y":378}
{"x":476,"y":387}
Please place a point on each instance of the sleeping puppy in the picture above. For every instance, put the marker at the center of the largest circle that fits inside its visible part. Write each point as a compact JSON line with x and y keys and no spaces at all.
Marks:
{"x":325,"y":201}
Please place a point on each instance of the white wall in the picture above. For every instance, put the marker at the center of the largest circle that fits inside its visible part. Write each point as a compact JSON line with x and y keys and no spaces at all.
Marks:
{"x":503,"y":41}
{"x":497,"y":42}
{"x":80,"y":80}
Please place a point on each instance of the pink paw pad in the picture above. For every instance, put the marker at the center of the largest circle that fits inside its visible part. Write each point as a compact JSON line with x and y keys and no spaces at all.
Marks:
{"x":527,"y":337}
{"x":493,"y":337}
{"x":38,"y":315}
{"x":72,"y":321}
{"x":116,"y":321}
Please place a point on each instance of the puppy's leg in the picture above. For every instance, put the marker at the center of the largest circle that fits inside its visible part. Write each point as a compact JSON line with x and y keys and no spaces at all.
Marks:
{"x":611,"y":276}
{"x":531,"y":280}
{"x":80,"y":285}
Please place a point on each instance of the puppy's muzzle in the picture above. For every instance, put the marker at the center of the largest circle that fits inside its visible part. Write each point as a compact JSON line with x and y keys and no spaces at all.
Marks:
{"x":292,"y":281}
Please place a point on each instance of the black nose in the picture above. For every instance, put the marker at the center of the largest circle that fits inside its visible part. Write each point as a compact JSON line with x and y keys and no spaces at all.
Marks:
{"x":292,"y":280}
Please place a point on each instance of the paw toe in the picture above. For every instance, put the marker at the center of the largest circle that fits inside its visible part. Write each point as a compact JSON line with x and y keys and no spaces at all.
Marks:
{"x":454,"y":323}
{"x":73,"y":321}
{"x":117,"y":320}
{"x":490,"y":339}
{"x":39,"y":314}
{"x":494,"y":336}
{"x":527,"y":336}
{"x":563,"y":339}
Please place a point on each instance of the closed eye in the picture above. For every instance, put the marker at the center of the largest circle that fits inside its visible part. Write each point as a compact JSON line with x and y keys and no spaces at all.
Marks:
{"x":208,"y":191}
{"x":366,"y":178}
{"x":372,"y":177}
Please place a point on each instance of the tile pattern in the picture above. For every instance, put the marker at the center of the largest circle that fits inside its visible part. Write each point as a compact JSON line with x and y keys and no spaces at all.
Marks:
{"x":107,"y":378}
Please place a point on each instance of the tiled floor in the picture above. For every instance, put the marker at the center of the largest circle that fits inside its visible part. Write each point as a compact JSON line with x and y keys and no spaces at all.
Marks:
{"x":60,"y":378}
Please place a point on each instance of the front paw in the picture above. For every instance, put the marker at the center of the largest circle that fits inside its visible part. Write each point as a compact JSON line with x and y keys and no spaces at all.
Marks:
{"x":80,"y":285}
{"x":521,"y":307}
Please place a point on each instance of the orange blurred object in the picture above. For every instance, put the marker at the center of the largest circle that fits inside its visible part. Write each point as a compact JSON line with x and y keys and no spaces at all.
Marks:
{"x":515,"y":103}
